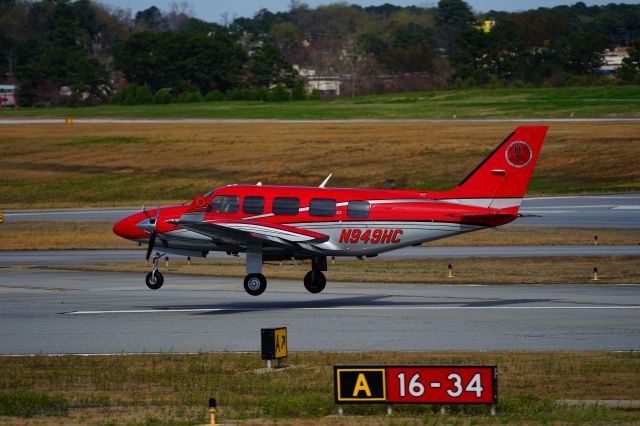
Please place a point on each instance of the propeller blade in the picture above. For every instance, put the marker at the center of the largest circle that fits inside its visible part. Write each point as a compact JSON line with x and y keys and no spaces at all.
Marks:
{"x":152,"y":243}
{"x":152,"y":240}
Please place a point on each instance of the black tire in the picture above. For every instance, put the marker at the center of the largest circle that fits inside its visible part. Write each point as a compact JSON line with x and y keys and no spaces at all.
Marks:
{"x":315,"y":281}
{"x":255,"y":284}
{"x":154,"y":281}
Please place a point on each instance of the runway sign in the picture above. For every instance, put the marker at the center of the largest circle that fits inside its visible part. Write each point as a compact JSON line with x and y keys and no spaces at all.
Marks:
{"x":416,"y":384}
{"x":360,"y":384}
{"x":274,"y":343}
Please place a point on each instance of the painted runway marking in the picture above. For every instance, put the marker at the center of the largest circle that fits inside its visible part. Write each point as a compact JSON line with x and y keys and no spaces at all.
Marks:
{"x":349,"y":308}
{"x":533,"y":211}
{"x":57,"y":212}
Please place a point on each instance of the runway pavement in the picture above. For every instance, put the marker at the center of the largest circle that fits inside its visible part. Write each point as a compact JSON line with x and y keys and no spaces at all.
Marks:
{"x":51,"y":312}
{"x":92,"y":257}
{"x":600,"y":211}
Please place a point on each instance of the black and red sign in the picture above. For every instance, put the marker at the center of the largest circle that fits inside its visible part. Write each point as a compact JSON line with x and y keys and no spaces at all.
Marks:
{"x":411,"y":384}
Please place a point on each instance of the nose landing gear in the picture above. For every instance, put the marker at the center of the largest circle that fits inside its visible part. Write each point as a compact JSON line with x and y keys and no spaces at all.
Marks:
{"x":154,"y":278}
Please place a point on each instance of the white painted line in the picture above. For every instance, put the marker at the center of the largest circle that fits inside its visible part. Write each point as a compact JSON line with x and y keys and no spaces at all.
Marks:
{"x":584,"y":197}
{"x":57,"y":212}
{"x":533,"y":211}
{"x":144,"y":311}
{"x":440,"y":308}
{"x":626,"y":208}
{"x":352,"y":308}
{"x":569,"y":206}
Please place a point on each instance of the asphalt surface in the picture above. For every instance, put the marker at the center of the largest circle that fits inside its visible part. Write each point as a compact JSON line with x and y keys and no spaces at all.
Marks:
{"x":92,"y":257}
{"x":55,"y":312}
{"x":604,"y":211}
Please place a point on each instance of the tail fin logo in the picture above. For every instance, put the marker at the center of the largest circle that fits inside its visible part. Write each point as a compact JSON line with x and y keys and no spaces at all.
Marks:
{"x":518,"y":154}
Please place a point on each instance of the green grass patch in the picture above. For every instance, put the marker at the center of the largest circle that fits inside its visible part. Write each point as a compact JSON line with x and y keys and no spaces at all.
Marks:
{"x":603,"y":101}
{"x":26,"y":403}
{"x":174,"y":388}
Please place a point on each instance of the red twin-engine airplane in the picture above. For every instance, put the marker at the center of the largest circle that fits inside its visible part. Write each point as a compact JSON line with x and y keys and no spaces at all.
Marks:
{"x":283,"y":222}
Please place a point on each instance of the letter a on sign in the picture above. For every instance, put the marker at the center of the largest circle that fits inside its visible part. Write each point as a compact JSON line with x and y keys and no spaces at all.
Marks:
{"x":355,"y":384}
{"x":361,"y":385}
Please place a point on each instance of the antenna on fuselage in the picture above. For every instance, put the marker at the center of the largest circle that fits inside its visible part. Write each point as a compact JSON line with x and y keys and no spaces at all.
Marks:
{"x":324,"y":182}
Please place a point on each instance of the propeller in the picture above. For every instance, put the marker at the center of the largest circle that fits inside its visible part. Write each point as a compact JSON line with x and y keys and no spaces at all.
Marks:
{"x":154,"y":222}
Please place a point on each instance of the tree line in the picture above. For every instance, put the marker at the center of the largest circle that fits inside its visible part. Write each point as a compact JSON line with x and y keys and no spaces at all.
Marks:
{"x":167,"y":56}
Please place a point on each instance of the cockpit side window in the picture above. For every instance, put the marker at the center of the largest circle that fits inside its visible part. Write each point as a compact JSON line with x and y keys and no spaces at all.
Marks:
{"x":225,"y":203}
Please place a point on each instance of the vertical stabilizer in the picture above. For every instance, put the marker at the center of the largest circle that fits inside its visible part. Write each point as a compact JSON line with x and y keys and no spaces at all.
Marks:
{"x":501,"y":180}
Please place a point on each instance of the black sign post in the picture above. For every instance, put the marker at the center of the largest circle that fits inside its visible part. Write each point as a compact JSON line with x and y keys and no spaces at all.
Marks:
{"x":274,"y":345}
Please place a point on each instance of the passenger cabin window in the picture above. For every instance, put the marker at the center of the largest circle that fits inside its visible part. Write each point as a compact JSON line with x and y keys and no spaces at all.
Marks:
{"x":253,"y":205}
{"x":358,"y":209}
{"x":226,"y":203}
{"x":322,"y":207}
{"x":286,"y":206}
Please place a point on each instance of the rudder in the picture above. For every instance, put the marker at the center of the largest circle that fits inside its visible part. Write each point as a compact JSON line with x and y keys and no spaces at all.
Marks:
{"x":501,"y":180}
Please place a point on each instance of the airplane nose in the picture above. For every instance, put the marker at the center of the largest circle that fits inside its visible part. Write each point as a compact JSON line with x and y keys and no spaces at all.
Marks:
{"x":123,"y":228}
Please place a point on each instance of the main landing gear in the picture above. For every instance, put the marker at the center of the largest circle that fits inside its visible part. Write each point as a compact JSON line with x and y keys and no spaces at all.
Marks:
{"x":154,"y":278}
{"x":315,"y":281}
{"x":255,"y":283}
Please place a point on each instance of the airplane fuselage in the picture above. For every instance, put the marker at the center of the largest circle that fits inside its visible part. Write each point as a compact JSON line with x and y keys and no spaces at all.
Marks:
{"x":358,"y":222}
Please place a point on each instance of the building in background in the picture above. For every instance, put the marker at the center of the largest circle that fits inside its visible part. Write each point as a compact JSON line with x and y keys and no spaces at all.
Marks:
{"x":7,"y":95}
{"x":613,"y":58}
{"x":328,"y":85}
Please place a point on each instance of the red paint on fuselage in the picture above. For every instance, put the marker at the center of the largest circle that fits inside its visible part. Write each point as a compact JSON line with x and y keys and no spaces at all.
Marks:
{"x":400,"y":206}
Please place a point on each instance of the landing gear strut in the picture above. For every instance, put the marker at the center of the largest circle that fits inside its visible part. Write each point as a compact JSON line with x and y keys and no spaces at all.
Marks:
{"x":254,"y":283}
{"x":315,"y":281}
{"x":154,"y":278}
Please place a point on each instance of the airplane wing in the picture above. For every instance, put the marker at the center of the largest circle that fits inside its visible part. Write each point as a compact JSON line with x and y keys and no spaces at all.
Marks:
{"x":243,"y":232}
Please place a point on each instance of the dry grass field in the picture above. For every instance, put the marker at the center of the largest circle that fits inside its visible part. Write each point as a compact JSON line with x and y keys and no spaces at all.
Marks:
{"x":174,"y":389}
{"x":493,"y":270}
{"x":106,"y":164}
{"x":80,"y":235}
